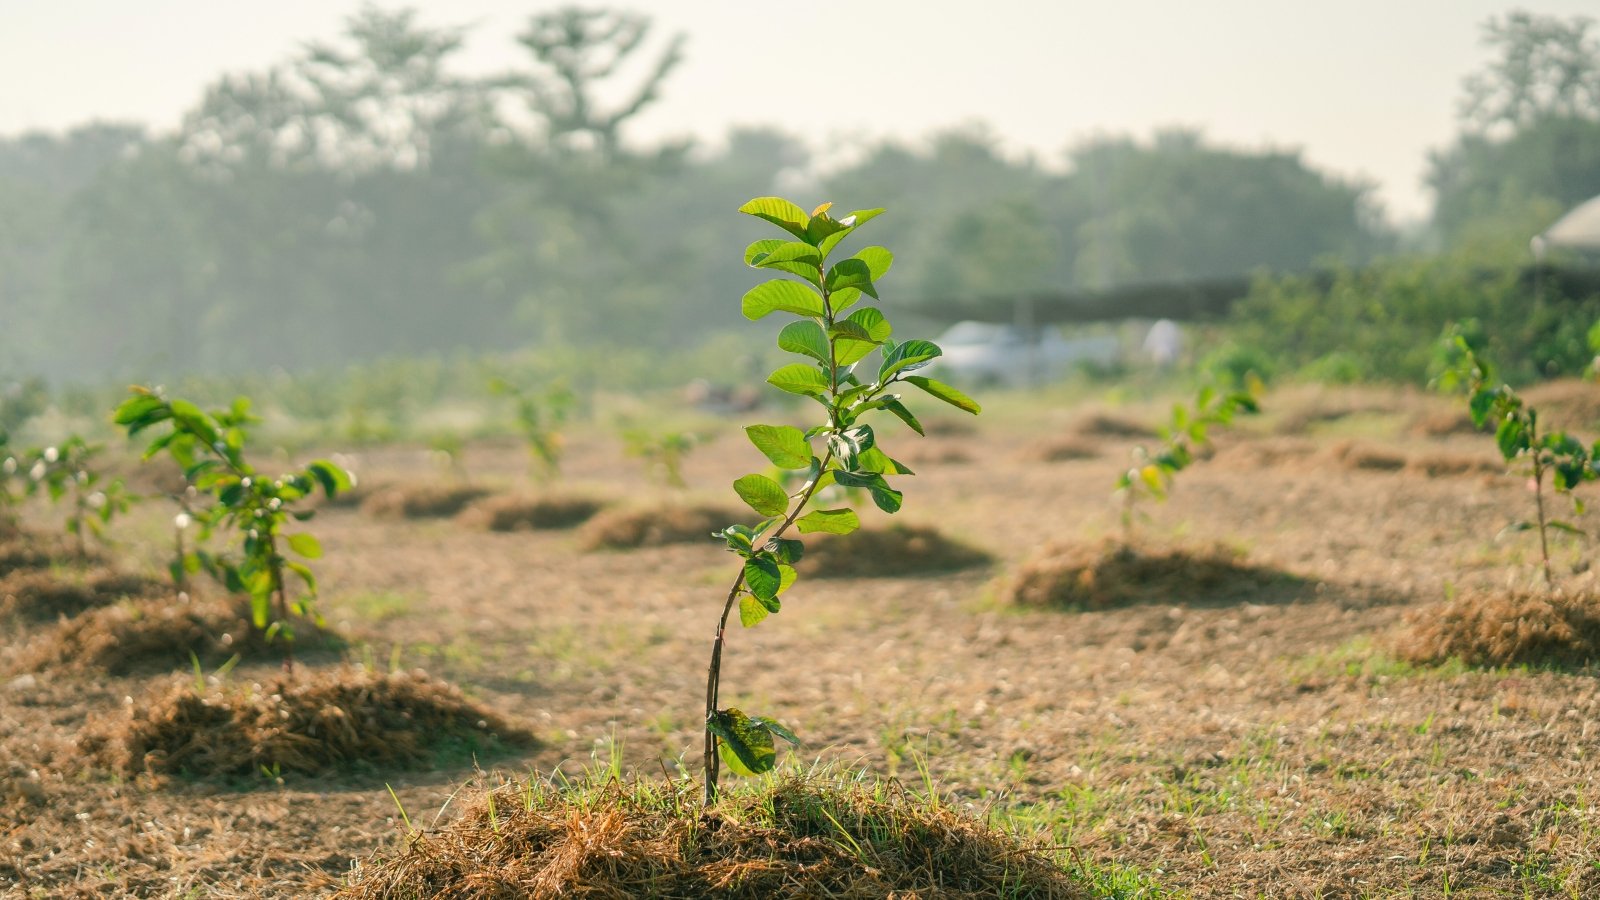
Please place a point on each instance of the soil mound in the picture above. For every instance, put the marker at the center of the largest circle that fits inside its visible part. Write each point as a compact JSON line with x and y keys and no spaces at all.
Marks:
{"x":1570,"y":404}
{"x":1506,"y":628}
{"x":1109,"y":574}
{"x":1061,"y":449}
{"x":1443,"y":423}
{"x":43,"y":596}
{"x":1448,"y":465}
{"x":1102,"y":424}
{"x":892,"y":552}
{"x":422,"y":501}
{"x":158,"y":635}
{"x":524,"y":513}
{"x":318,"y":721}
{"x":795,"y":837}
{"x":1371,"y":459}
{"x":21,"y":550}
{"x":624,"y":529}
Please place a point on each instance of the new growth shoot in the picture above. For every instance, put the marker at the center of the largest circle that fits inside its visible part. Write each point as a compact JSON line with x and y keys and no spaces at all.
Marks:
{"x":832,"y":342}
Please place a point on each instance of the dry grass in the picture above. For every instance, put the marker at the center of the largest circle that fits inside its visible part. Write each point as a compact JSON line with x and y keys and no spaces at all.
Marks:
{"x":1065,"y":448}
{"x":625,"y":529}
{"x":43,"y":596}
{"x":1109,"y":574}
{"x":21,"y":549}
{"x":1506,"y":627}
{"x":1109,"y":425}
{"x":893,"y":552}
{"x":1570,"y":404}
{"x":312,"y":723}
{"x":517,"y":512}
{"x":792,"y":837}
{"x":154,"y":635}
{"x":1449,"y":465}
{"x":1372,"y":459}
{"x":422,"y":501}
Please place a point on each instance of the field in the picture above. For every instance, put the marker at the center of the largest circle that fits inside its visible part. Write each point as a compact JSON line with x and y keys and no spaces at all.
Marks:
{"x":1254,"y":737}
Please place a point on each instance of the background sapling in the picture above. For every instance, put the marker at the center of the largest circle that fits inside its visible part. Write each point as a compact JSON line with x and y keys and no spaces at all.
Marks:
{"x":255,"y":509}
{"x":68,"y":472}
{"x":663,"y":452}
{"x":1520,"y":440}
{"x":540,"y":415}
{"x":842,"y":449}
{"x":1186,"y":432}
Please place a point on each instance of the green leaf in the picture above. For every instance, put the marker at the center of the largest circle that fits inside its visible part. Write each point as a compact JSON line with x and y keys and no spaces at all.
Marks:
{"x":909,"y":356}
{"x":828,"y":521}
{"x":851,"y":274}
{"x":786,"y":551}
{"x":823,"y":226}
{"x":1568,"y":527}
{"x":878,"y":261}
{"x":799,"y":378}
{"x":784,"y":445}
{"x":763,"y":495}
{"x":762,"y":575}
{"x":757,"y":250}
{"x":305,"y":545}
{"x":873,"y":322}
{"x":744,"y":746}
{"x":775,"y":728}
{"x":806,"y":338}
{"x":789,"y":576}
{"x":792,"y":257}
{"x":334,"y":479}
{"x":887,"y":498}
{"x":751,"y":611}
{"x":1511,"y":437}
{"x":839,"y":301}
{"x":851,"y":222}
{"x":898,"y":409}
{"x":779,"y":212}
{"x":946,"y":393}
{"x":780,"y":295}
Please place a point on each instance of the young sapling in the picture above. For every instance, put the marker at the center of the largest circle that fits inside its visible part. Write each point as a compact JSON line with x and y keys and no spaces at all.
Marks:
{"x":1521,"y":441}
{"x":841,"y":449}
{"x":663,"y":452}
{"x":540,"y":415}
{"x":69,"y":469}
{"x":255,"y":509}
{"x":1186,"y":432}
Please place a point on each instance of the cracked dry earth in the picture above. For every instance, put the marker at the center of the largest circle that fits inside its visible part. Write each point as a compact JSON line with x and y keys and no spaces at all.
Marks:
{"x":1262,"y":745}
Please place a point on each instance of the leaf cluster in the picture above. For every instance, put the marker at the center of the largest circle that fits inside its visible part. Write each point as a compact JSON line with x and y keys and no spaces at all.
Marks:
{"x":833,"y":335}
{"x":70,"y":468}
{"x":540,"y":415}
{"x":1187,"y":431}
{"x":252,"y":508}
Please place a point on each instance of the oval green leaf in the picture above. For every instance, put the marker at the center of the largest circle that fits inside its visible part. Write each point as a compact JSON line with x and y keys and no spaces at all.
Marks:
{"x":763,"y":495}
{"x":780,"y":295}
{"x":784,"y":445}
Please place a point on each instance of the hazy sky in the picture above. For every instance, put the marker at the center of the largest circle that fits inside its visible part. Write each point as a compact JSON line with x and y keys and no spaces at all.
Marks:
{"x":1364,"y":87}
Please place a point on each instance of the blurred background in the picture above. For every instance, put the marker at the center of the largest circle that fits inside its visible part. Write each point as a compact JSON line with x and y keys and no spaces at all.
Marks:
{"x":362,"y":210}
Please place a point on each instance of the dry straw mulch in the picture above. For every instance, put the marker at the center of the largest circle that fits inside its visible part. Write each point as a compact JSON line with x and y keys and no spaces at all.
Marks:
{"x":1507,"y":627}
{"x":1111,"y":425}
{"x":21,"y":550}
{"x":627,"y":528}
{"x":43,"y":596}
{"x":793,"y":837}
{"x":891,"y":552}
{"x":515,"y":512}
{"x":422,"y":501}
{"x":313,"y":722}
{"x":1065,"y":448}
{"x":1109,"y":574}
{"x":156,"y":635}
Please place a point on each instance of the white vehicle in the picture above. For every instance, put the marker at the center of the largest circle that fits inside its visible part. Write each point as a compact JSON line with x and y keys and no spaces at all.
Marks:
{"x":986,"y":353}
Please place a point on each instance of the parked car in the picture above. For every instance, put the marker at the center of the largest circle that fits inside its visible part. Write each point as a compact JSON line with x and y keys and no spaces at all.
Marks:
{"x":987,"y":353}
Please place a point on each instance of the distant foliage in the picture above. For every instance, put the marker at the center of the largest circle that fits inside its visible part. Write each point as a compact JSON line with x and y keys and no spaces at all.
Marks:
{"x":1383,"y":321}
{"x":71,"y":472}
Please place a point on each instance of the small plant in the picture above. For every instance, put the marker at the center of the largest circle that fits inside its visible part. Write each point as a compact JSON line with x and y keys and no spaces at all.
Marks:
{"x":1186,"y":432}
{"x":843,"y":449}
{"x":540,"y":415}
{"x":663,"y":452}
{"x":70,"y":468}
{"x":10,"y":473}
{"x":256,"y":509}
{"x":1521,"y":443}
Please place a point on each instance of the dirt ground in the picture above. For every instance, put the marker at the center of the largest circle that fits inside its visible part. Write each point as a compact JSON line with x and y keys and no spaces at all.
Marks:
{"x":1261,"y":746}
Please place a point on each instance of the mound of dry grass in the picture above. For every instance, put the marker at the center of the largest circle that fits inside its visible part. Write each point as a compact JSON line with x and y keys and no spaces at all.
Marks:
{"x":624,"y":529}
{"x":42,"y":596}
{"x":1108,"y":425}
{"x":1369,"y":458}
{"x":892,"y":552}
{"x":21,"y":549}
{"x":317,"y":721}
{"x":1442,"y":423}
{"x":1448,"y":465}
{"x":1065,"y":448}
{"x":513,"y":512}
{"x":1570,"y":404}
{"x":1091,"y":576}
{"x":422,"y":501}
{"x":1506,"y":628}
{"x":792,"y":837}
{"x":158,"y":635}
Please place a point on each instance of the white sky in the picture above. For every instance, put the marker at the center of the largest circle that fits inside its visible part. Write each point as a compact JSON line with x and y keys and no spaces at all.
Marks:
{"x":1365,"y":87}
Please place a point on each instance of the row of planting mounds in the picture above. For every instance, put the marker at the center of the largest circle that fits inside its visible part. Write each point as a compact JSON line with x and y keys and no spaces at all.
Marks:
{"x":891,"y":552}
{"x":525,"y":512}
{"x":625,"y":528}
{"x":422,"y":501}
{"x":40,"y":596}
{"x":1507,"y":627}
{"x":311,"y":722}
{"x":157,"y":635}
{"x":21,"y":549}
{"x":789,"y":837}
{"x":1111,"y":574}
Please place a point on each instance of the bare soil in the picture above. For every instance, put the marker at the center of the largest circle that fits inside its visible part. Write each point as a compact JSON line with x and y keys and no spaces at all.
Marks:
{"x":1270,"y":744}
